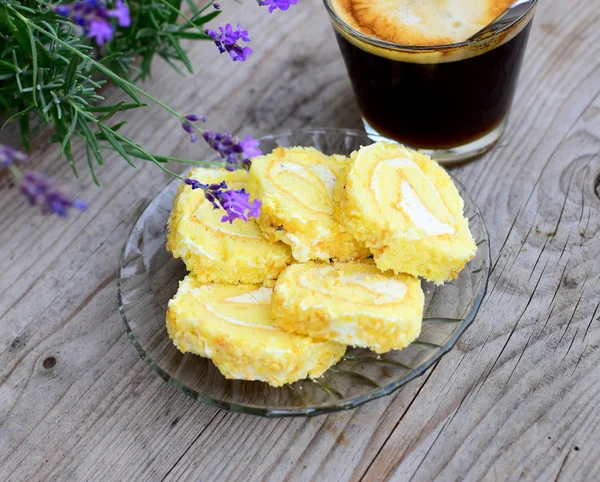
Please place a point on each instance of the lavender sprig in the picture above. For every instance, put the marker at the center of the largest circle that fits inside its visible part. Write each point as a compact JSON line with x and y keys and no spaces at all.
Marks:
{"x":189,"y":128}
{"x":277,"y":4}
{"x":227,"y":41}
{"x":236,"y":152}
{"x":8,"y":156}
{"x":236,"y":203}
{"x":41,"y":190}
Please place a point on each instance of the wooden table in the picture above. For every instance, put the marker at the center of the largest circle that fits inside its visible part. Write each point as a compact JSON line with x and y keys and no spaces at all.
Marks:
{"x":516,"y":399}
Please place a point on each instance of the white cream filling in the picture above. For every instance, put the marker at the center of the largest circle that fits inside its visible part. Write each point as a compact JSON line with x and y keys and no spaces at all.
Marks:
{"x":326,"y":175}
{"x":421,"y":217}
{"x":346,"y":333}
{"x":410,"y":202}
{"x":301,"y":251}
{"x":388,"y":290}
{"x":237,"y":321}
{"x":252,"y":297}
{"x":261,"y":296}
{"x":197,"y":249}
{"x":322,"y":171}
{"x":384,"y":290}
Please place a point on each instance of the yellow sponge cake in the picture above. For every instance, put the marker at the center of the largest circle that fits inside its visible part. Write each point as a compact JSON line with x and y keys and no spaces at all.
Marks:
{"x":217,"y":251}
{"x":408,"y":212}
{"x":233,"y":325}
{"x":352,"y":303}
{"x":296,"y":187}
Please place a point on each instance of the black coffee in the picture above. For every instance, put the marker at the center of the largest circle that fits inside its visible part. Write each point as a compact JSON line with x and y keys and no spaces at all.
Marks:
{"x":435,"y":106}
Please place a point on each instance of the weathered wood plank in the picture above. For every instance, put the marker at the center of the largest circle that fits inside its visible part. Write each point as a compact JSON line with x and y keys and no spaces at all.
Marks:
{"x":516,"y":398}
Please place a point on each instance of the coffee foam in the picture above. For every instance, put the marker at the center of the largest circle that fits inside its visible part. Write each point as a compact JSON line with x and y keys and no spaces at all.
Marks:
{"x":424,"y":23}
{"x":420,"y":22}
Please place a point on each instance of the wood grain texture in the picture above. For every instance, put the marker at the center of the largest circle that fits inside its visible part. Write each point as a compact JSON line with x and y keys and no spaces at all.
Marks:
{"x":516,"y":399}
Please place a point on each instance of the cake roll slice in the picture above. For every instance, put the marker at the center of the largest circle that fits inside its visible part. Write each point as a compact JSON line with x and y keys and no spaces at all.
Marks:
{"x":296,"y":187}
{"x":216,"y":251}
{"x":352,"y":303}
{"x":408,"y":212}
{"x":233,"y":325}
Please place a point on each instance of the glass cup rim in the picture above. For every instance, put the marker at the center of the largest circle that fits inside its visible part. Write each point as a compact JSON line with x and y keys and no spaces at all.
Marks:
{"x":418,"y":48}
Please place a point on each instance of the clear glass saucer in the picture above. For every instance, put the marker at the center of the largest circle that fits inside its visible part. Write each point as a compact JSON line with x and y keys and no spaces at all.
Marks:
{"x":148,"y":277}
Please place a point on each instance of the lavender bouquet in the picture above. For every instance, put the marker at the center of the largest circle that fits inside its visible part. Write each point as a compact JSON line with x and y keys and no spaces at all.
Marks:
{"x":54,"y":59}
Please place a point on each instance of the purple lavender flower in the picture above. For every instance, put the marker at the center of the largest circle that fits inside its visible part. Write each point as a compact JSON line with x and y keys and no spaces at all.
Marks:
{"x":189,"y":128}
{"x":62,"y":10}
{"x":42,"y":191}
{"x":217,"y":6}
{"x":226,"y":40}
{"x":250,"y":147}
{"x":235,"y":152}
{"x":235,"y":203}
{"x":94,"y":18}
{"x":121,"y":13}
{"x":101,"y":31}
{"x":8,"y":156}
{"x":277,"y":4}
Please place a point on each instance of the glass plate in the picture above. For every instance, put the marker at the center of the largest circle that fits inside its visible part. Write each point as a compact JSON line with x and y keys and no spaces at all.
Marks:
{"x":148,"y":277}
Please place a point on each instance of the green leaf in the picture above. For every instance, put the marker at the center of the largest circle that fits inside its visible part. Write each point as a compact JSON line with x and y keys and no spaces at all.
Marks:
{"x":176,"y":4}
{"x":34,"y":60}
{"x":194,"y":35}
{"x":182,"y":55}
{"x":8,"y":65}
{"x":18,"y":114}
{"x":70,"y":158}
{"x":19,"y":32}
{"x":70,"y":75}
{"x":108,"y":108}
{"x":90,"y":138}
{"x":130,"y":92}
{"x":91,"y":164}
{"x":116,"y":127}
{"x":137,"y":152}
{"x":205,"y":18}
{"x":69,"y":133}
{"x":116,"y":108}
{"x":173,"y":65}
{"x":108,"y":135}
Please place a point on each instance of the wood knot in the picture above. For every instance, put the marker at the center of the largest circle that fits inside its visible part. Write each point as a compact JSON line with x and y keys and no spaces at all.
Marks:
{"x":597,"y":186}
{"x":18,"y":342}
{"x":49,"y":362}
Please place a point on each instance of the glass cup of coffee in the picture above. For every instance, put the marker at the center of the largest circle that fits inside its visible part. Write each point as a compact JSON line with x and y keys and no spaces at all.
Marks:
{"x":418,"y":79}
